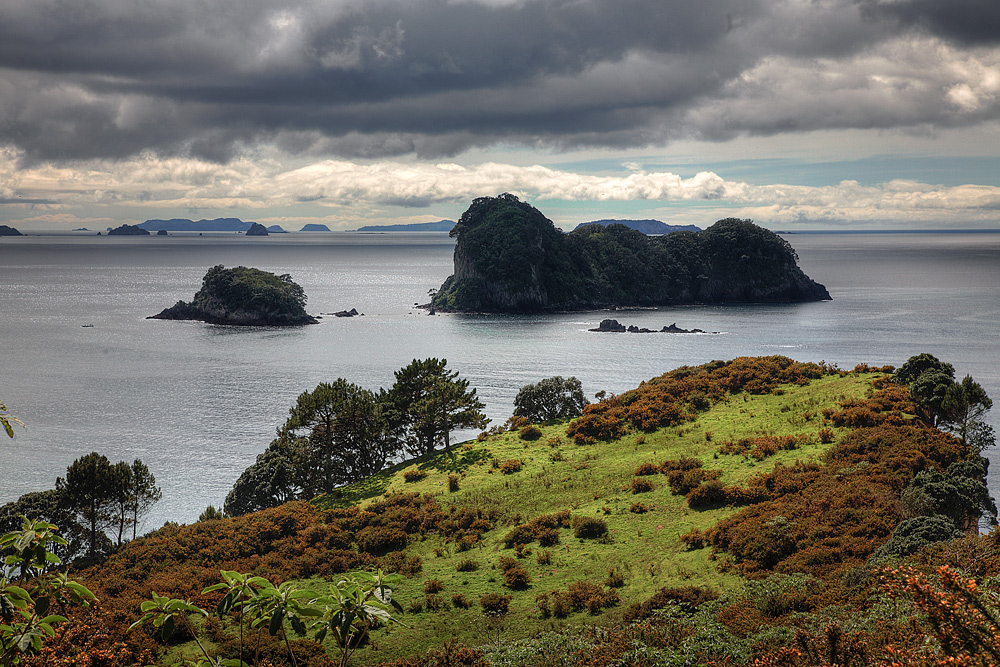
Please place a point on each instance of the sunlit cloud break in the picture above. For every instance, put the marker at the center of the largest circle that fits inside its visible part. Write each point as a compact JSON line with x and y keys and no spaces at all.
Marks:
{"x":160,"y":185}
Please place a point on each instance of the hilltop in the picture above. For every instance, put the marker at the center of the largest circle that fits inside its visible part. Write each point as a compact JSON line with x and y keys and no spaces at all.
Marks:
{"x":750,"y":499}
{"x":510,"y":258}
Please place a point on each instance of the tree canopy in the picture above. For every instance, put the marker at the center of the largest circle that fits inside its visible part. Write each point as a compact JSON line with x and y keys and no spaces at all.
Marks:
{"x":549,"y":399}
{"x":431,"y":402}
{"x":106,"y":496}
{"x":340,"y":433}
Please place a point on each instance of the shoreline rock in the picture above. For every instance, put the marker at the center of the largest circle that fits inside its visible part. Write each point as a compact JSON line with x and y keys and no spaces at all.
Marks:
{"x":614,"y":326}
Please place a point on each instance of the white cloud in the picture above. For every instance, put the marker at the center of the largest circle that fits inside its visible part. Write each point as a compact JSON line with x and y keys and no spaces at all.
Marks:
{"x":346,"y":190}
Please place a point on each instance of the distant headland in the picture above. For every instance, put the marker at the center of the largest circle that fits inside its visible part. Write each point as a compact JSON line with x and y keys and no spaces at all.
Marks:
{"x":511,"y":258}
{"x":648,"y":227}
{"x":215,"y":225}
{"x":245,"y":297}
{"x":9,"y":231}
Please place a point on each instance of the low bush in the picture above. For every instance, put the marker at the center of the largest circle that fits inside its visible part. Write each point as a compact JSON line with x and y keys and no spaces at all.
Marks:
{"x":638,"y":508}
{"x":467,"y":565}
{"x":588,"y":527}
{"x":453,"y":483}
{"x":683,"y":463}
{"x":378,"y":540}
{"x":548,"y":537}
{"x":688,"y":597}
{"x":647,"y":469}
{"x":530,"y":432}
{"x":640,"y":485}
{"x":510,"y":466}
{"x":708,"y":494}
{"x":433,"y":586}
{"x":459,"y":601}
{"x":516,"y":578}
{"x":414,"y":475}
{"x":683,"y":481}
{"x":494,"y":604}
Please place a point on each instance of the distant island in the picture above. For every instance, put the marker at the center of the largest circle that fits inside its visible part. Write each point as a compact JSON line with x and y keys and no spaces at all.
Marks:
{"x":128,"y":230}
{"x":9,"y":231}
{"x":245,"y":297}
{"x":313,"y":227}
{"x":511,"y":258}
{"x":439,"y":226}
{"x":276,"y":229}
{"x":257,"y":229}
{"x":184,"y":225}
{"x":648,"y":227}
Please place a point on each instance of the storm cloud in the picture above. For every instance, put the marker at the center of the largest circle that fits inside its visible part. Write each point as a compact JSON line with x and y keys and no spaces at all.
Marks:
{"x":108,"y":79}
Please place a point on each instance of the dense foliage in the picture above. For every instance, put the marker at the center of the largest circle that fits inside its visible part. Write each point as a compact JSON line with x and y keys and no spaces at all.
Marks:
{"x":341,"y":433}
{"x":511,"y":258}
{"x":95,"y":499}
{"x":550,"y":399}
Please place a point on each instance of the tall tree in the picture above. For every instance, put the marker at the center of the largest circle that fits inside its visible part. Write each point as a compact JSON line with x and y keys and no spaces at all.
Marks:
{"x":272,"y":480}
{"x":551,"y":398}
{"x":432,"y":402}
{"x":344,"y":435}
{"x":88,"y":490}
{"x":121,"y":491}
{"x":143,"y":494}
{"x":964,"y":405}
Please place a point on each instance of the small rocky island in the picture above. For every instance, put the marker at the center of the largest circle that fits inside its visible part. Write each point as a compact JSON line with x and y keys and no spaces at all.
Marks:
{"x":244,"y":297}
{"x":509,"y":258}
{"x":257,"y":229}
{"x":616,"y":327}
{"x":128,"y":230}
{"x":9,"y":231}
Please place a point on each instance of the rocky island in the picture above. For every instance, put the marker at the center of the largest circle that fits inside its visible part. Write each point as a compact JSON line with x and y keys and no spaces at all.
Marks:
{"x":509,"y":258}
{"x":245,"y":297}
{"x":128,"y":230}
{"x":5,"y":230}
{"x":614,"y":326}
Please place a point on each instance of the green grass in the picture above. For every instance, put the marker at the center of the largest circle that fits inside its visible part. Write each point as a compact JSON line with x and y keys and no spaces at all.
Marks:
{"x":589,"y":480}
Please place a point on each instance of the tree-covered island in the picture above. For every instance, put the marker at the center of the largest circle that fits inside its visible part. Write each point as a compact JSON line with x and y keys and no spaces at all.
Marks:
{"x":511,"y":258}
{"x":245,"y":297}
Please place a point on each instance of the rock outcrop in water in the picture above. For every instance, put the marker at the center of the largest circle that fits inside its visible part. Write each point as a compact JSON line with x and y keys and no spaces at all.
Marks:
{"x":245,"y":297}
{"x":9,"y":231}
{"x":614,"y":326}
{"x":511,"y":258}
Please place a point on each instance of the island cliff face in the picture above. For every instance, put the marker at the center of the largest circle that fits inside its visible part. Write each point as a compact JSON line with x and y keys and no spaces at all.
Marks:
{"x":511,"y":258}
{"x":245,"y":297}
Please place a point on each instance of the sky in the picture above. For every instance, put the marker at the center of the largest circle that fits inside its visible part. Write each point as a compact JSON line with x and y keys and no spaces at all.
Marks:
{"x":798,"y":114}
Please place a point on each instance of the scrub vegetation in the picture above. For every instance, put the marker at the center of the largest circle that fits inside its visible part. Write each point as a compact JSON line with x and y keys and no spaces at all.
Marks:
{"x":758,"y":511}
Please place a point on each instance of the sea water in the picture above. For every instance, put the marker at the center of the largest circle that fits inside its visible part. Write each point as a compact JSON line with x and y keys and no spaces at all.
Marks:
{"x":86,"y":371}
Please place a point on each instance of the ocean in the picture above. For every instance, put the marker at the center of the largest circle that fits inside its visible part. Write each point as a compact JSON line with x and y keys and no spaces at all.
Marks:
{"x":86,"y":371}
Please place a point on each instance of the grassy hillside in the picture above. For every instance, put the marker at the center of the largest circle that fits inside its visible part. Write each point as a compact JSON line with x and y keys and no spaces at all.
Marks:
{"x":687,"y":487}
{"x":591,"y":480}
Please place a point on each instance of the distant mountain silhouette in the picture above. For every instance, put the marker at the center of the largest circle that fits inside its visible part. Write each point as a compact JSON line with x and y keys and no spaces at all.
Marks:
{"x":313,"y":227}
{"x":439,"y":226}
{"x":644,"y":226}
{"x":183,"y":225}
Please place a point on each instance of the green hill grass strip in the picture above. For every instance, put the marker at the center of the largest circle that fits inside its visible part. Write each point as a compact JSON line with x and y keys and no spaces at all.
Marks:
{"x":591,"y":480}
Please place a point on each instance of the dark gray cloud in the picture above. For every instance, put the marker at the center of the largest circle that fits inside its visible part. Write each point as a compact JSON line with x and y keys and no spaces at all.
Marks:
{"x":964,"y":21}
{"x":109,"y":78}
